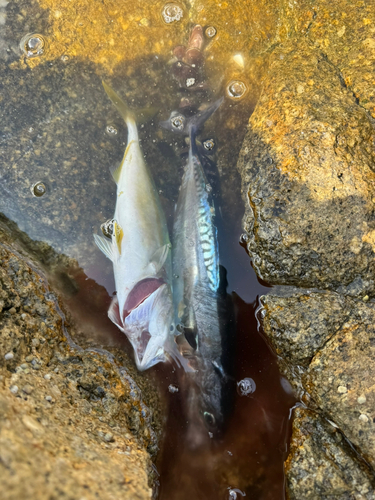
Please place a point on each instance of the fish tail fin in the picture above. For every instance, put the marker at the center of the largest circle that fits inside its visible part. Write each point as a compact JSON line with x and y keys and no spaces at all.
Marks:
{"x":130,"y":116}
{"x":190,"y":126}
{"x":121,"y":106}
{"x":196,"y":121}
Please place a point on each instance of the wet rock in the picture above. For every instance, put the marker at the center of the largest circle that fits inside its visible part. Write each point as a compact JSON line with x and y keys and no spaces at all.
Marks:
{"x":308,"y":170}
{"x":60,"y":408}
{"x":340,"y":379}
{"x":307,"y":166}
{"x":299,"y":323}
{"x":321,"y":463}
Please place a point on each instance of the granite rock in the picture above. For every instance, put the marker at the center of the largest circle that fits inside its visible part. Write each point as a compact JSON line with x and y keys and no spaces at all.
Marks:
{"x":321,"y":463}
{"x":71,"y":419}
{"x":307,"y":166}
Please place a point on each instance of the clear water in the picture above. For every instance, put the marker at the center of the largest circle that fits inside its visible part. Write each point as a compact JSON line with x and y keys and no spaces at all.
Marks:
{"x":59,"y":135}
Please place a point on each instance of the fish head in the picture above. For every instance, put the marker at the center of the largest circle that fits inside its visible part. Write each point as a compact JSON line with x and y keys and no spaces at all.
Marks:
{"x":148,"y":327}
{"x":215,"y":402}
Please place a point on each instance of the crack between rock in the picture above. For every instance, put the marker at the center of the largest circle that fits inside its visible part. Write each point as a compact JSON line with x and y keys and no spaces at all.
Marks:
{"x":339,"y":328}
{"x":344,"y":85}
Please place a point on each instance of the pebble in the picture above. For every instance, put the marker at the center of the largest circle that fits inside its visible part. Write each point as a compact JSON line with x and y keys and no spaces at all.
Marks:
{"x":108,"y":437}
{"x":8,"y":356}
{"x":35,"y":342}
{"x":27,"y":389}
{"x":24,"y":366}
{"x":13,"y":389}
{"x":29,"y":358}
{"x":342,"y":389}
{"x":47,"y":376}
{"x":361,"y":400}
{"x":48,"y":398}
{"x":363,"y":418}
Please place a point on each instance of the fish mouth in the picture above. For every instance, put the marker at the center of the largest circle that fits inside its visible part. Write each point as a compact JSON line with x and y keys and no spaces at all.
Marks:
{"x":147,"y":324}
{"x":143,"y":343}
{"x":139,"y":293}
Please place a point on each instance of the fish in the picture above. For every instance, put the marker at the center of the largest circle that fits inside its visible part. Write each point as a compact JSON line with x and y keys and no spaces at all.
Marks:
{"x":199,"y":287}
{"x":137,"y":242}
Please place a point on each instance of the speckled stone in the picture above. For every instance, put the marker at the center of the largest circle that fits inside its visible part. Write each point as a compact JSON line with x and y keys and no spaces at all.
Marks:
{"x":60,"y":415}
{"x":321,"y":464}
{"x":340,"y":379}
{"x":308,"y":181}
{"x":307,"y":166}
{"x":299,"y":322}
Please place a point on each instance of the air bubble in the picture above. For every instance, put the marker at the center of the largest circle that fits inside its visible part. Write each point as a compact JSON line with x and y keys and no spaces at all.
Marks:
{"x":178,"y":122}
{"x":236,"y":89}
{"x":244,"y":238}
{"x":173,"y":389}
{"x":234,"y":492}
{"x":210,"y":32}
{"x":209,"y":144}
{"x":33,"y":45}
{"x":246,"y":386}
{"x":172,"y":12}
{"x":111,"y":130}
{"x":38,"y":189}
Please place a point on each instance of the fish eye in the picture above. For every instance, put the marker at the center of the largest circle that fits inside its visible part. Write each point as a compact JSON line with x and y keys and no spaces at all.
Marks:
{"x":209,"y":419}
{"x":178,"y":122}
{"x":107,"y":228}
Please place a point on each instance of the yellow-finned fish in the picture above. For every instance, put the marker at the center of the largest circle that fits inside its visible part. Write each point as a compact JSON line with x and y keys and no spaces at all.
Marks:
{"x":140,"y":250}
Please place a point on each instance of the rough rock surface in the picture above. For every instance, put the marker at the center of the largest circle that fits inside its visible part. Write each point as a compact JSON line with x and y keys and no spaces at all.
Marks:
{"x":308,"y":172}
{"x":322,"y":464}
{"x":72,"y":421}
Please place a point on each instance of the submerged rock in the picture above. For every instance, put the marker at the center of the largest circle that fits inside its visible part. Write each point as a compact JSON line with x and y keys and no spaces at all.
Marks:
{"x":308,"y":177}
{"x":72,"y":421}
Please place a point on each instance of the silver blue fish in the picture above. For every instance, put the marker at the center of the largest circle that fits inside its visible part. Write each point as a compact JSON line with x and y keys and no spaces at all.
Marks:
{"x":197,"y":285}
{"x":139,"y":247}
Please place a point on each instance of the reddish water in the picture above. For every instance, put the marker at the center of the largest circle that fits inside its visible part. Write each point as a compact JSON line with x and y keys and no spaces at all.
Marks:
{"x":248,"y":460}
{"x":249,"y":457}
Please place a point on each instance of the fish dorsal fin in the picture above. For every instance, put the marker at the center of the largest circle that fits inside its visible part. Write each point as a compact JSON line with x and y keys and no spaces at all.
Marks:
{"x":105,"y":246}
{"x":159,"y":257}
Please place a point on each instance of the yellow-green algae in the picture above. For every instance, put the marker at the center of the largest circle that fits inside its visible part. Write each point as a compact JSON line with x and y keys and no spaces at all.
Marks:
{"x":113,"y":32}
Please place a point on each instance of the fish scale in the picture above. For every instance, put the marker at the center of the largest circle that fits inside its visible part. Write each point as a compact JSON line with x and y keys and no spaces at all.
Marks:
{"x":199,"y":295}
{"x":207,"y":230}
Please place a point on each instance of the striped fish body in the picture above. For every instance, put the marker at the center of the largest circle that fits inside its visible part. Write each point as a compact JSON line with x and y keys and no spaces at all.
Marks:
{"x":196,"y":296}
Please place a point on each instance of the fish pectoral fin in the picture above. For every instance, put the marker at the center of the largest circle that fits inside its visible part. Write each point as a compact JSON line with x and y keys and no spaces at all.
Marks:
{"x":105,"y":246}
{"x":174,"y":353}
{"x":114,"y":313}
{"x":116,"y":171}
{"x":159,"y":257}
